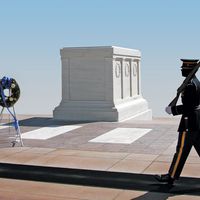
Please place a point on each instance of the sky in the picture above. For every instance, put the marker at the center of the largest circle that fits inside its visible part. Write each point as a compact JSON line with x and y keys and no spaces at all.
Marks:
{"x":32,"y":32}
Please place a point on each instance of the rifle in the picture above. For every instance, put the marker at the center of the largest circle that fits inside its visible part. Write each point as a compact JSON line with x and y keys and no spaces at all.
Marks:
{"x":184,"y":84}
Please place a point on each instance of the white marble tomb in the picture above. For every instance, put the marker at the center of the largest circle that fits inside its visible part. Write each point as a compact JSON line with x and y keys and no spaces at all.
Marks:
{"x":101,"y":84}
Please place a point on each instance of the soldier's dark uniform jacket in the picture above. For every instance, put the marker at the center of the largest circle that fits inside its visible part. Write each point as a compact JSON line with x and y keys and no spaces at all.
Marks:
{"x":190,"y":107}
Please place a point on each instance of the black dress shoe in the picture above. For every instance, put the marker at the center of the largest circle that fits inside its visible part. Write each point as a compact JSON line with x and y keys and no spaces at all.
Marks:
{"x":164,"y":178}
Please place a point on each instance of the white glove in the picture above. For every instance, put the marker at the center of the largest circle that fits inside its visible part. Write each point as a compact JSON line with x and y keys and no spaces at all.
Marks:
{"x":168,"y":110}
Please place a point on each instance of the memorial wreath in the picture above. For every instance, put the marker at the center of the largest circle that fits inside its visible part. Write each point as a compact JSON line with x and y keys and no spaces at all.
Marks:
{"x":13,"y":94}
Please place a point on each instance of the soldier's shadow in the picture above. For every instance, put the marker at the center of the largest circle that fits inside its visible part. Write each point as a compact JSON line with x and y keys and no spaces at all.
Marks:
{"x":163,"y":192}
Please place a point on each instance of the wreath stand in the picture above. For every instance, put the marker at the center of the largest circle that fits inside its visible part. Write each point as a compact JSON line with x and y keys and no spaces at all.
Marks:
{"x":7,"y":102}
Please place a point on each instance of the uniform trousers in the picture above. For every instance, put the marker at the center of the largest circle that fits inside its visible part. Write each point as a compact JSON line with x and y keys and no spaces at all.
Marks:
{"x":186,"y":141}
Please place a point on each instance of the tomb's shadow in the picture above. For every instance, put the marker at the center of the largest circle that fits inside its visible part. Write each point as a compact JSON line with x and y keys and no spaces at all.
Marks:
{"x":45,"y":121}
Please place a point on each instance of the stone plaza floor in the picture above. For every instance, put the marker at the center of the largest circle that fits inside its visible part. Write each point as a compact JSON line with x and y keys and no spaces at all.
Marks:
{"x":126,"y":154}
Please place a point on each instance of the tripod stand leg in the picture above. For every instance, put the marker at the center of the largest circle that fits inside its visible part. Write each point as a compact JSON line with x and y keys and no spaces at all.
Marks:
{"x":18,"y":132}
{"x":19,"y":136}
{"x":1,"y":114}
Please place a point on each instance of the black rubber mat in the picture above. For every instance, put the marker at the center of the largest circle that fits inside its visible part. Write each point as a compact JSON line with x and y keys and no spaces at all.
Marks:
{"x":119,"y":180}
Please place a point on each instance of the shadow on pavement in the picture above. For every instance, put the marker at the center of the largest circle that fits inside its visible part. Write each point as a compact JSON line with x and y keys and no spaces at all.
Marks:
{"x":163,"y":192}
{"x":44,"y":121}
{"x":118,"y":180}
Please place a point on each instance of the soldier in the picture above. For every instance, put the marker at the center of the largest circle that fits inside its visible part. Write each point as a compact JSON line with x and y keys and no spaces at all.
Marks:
{"x":189,"y":127}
